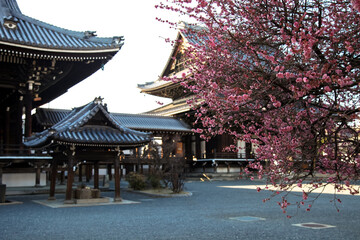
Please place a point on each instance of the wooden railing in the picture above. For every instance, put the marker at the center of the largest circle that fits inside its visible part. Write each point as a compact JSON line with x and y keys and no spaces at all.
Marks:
{"x":18,"y":150}
{"x":229,"y":155}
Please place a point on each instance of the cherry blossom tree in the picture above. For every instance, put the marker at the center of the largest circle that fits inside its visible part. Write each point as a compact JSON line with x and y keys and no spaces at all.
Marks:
{"x":284,"y":75}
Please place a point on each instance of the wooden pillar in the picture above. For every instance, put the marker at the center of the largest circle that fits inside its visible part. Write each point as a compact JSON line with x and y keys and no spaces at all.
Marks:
{"x":109,"y":171}
{"x":117,"y":197}
{"x":228,"y":167}
{"x":7,"y":128}
{"x":96,"y":175}
{"x":2,"y":186}
{"x":1,"y":173}
{"x":18,"y":121}
{"x":28,"y":108}
{"x":80,"y":172}
{"x":198,"y":147}
{"x":54,"y":166}
{"x":37,"y":174}
{"x":88,"y":172}
{"x":62,"y":177}
{"x":70,"y":179}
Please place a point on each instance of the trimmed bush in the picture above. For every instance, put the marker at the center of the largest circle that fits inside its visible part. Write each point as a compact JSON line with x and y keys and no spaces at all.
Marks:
{"x":136,"y":180}
{"x":154,"y":181}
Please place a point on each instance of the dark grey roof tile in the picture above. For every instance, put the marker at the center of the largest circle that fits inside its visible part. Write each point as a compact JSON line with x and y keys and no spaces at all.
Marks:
{"x":32,"y":32}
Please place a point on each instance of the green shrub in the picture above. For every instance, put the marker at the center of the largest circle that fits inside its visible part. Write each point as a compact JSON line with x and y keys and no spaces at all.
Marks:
{"x":136,"y":180}
{"x":154,"y":181}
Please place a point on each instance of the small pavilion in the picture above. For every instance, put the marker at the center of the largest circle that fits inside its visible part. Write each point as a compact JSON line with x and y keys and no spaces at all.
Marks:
{"x":88,"y":133}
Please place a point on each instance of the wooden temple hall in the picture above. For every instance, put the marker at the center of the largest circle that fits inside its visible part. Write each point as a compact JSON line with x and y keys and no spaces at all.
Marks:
{"x":201,"y":156}
{"x":38,"y":63}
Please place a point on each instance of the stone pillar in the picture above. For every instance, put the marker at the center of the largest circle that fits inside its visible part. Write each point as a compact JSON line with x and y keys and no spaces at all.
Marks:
{"x":96,"y":175}
{"x":117,"y":197}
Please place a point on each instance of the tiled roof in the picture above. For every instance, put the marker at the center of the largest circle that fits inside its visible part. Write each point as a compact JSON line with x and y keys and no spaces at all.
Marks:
{"x":155,"y":84}
{"x":173,"y":108}
{"x":90,"y":125}
{"x":188,"y":33}
{"x":192,"y":33}
{"x":143,"y":122}
{"x":152,"y":123}
{"x":17,"y":30}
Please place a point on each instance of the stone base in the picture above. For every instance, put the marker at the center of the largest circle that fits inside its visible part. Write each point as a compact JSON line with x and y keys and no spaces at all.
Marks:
{"x":51,"y":198}
{"x":69,"y":202}
{"x":83,"y":193}
{"x":95,"y":193}
{"x":118,"y":199}
{"x":92,"y":200}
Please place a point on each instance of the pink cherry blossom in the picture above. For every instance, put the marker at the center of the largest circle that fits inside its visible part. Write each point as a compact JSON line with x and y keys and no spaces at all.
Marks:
{"x":290,"y":82}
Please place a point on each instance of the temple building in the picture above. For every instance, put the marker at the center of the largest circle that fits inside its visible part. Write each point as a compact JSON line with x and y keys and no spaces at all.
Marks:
{"x":87,"y":134}
{"x":201,"y":156}
{"x":38,"y":63}
{"x":160,"y":127}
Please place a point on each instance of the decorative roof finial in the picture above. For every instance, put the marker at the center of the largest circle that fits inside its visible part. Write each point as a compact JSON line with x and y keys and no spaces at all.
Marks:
{"x":89,"y":34}
{"x":98,"y":100}
{"x":11,"y":22}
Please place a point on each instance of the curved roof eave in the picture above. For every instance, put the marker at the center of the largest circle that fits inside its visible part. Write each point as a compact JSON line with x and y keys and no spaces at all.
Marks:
{"x":55,"y":50}
{"x":27,"y":32}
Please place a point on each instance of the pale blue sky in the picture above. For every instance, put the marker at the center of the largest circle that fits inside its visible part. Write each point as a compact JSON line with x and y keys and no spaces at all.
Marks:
{"x":141,"y":59}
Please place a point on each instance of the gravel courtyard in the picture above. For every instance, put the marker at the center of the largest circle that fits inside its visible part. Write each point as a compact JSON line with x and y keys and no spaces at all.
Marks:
{"x":216,"y":210}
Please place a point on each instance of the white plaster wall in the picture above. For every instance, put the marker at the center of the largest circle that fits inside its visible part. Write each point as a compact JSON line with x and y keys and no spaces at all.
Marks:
{"x":22,"y":179}
{"x":225,"y":170}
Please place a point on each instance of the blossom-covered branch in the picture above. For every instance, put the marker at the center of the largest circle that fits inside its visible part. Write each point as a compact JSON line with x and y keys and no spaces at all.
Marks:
{"x":283,"y":74}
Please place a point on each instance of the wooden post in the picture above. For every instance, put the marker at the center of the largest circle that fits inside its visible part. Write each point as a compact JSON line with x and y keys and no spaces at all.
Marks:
{"x":96,"y":175}
{"x":70,"y":179}
{"x":2,"y":187}
{"x":53,"y":178}
{"x":109,"y":171}
{"x":80,"y":172}
{"x":117,"y":197}
{"x":37,"y":174}
{"x":7,"y":129}
{"x":28,"y":108}
{"x":62,"y":177}
{"x":19,"y":125}
{"x":88,"y":172}
{"x":1,"y":173}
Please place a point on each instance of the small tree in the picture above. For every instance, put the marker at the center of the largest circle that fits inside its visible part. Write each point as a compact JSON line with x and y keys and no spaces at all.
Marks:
{"x":174,"y":174}
{"x":165,"y":166}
